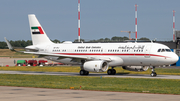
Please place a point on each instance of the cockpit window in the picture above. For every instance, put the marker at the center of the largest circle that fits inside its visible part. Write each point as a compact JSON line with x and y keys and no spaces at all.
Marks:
{"x":168,"y":50}
{"x":164,"y":50}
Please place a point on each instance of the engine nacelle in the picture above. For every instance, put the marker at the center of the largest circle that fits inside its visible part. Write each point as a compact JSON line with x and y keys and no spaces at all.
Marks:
{"x":96,"y":66}
{"x":136,"y":68}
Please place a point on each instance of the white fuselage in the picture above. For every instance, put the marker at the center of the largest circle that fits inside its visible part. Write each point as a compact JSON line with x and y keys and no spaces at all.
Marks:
{"x":118,"y":54}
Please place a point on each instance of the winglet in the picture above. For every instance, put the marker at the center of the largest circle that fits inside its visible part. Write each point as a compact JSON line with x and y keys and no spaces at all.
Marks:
{"x":9,"y":45}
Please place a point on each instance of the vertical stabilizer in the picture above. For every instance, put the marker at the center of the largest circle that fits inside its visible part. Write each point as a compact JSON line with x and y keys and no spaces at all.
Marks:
{"x":37,"y":33}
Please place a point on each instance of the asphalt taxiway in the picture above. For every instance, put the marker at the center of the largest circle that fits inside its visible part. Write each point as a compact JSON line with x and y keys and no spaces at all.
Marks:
{"x":93,"y":74}
{"x":44,"y":94}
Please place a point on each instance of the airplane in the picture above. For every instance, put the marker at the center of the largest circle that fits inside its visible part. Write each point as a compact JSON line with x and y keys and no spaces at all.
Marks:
{"x":97,"y":57}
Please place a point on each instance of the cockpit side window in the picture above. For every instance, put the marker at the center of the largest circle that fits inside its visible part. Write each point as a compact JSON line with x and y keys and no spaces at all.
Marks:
{"x":159,"y":50}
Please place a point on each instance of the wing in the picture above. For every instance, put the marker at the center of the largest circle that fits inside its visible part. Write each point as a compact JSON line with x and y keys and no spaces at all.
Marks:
{"x":33,"y":50}
{"x":72,"y":56}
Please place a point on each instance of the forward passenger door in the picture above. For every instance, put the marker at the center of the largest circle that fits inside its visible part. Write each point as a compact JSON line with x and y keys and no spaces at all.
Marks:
{"x":147,"y":51}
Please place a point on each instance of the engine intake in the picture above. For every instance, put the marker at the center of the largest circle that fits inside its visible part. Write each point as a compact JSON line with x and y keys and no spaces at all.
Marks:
{"x":136,"y":68}
{"x":96,"y":66}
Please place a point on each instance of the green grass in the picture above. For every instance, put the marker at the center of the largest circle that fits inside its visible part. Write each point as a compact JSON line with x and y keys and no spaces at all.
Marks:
{"x":161,"y":86}
{"x":160,"y":71}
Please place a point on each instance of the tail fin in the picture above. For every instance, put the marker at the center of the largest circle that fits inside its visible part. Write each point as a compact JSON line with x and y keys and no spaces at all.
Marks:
{"x":37,"y":33}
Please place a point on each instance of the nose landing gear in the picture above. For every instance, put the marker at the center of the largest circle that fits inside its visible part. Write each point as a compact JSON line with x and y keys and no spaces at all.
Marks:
{"x":153,"y":74}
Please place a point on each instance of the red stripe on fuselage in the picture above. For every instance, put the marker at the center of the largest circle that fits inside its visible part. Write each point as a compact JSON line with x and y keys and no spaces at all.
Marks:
{"x":113,"y":54}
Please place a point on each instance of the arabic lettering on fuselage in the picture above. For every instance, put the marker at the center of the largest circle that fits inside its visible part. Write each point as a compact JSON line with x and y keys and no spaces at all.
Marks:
{"x":120,"y":47}
{"x":131,"y":47}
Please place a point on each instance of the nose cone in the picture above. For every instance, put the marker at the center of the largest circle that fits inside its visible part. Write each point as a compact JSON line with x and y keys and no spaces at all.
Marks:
{"x":174,"y":58}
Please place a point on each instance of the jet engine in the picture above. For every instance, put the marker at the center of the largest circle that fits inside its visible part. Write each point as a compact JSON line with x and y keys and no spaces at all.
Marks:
{"x":96,"y":66}
{"x":136,"y":68}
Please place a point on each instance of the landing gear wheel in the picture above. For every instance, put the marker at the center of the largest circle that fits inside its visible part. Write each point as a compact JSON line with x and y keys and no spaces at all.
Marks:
{"x":111,"y":72}
{"x":86,"y":73}
{"x":83,"y":72}
{"x":153,"y":74}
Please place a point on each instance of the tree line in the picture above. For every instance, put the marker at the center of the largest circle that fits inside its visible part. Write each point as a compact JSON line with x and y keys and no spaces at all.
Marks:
{"x":22,"y":43}
{"x":113,"y":39}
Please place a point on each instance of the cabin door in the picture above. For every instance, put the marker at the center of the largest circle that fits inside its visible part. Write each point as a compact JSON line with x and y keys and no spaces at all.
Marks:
{"x":147,"y":51}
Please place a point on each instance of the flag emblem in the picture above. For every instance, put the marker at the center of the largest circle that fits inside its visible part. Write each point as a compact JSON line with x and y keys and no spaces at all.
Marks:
{"x":37,"y":30}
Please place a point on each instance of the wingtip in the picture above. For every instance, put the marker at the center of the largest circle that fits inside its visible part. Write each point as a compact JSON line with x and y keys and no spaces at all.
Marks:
{"x":9,"y":45}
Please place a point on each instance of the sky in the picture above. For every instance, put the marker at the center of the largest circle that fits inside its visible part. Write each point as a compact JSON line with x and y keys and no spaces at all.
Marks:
{"x":99,"y":18}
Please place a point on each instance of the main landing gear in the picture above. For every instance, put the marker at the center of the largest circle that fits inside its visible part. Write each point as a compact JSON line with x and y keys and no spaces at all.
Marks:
{"x":153,"y":74}
{"x":111,"y":71}
{"x":83,"y":72}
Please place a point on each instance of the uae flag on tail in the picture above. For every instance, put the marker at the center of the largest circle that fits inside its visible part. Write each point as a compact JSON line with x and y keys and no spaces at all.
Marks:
{"x":37,"y":30}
